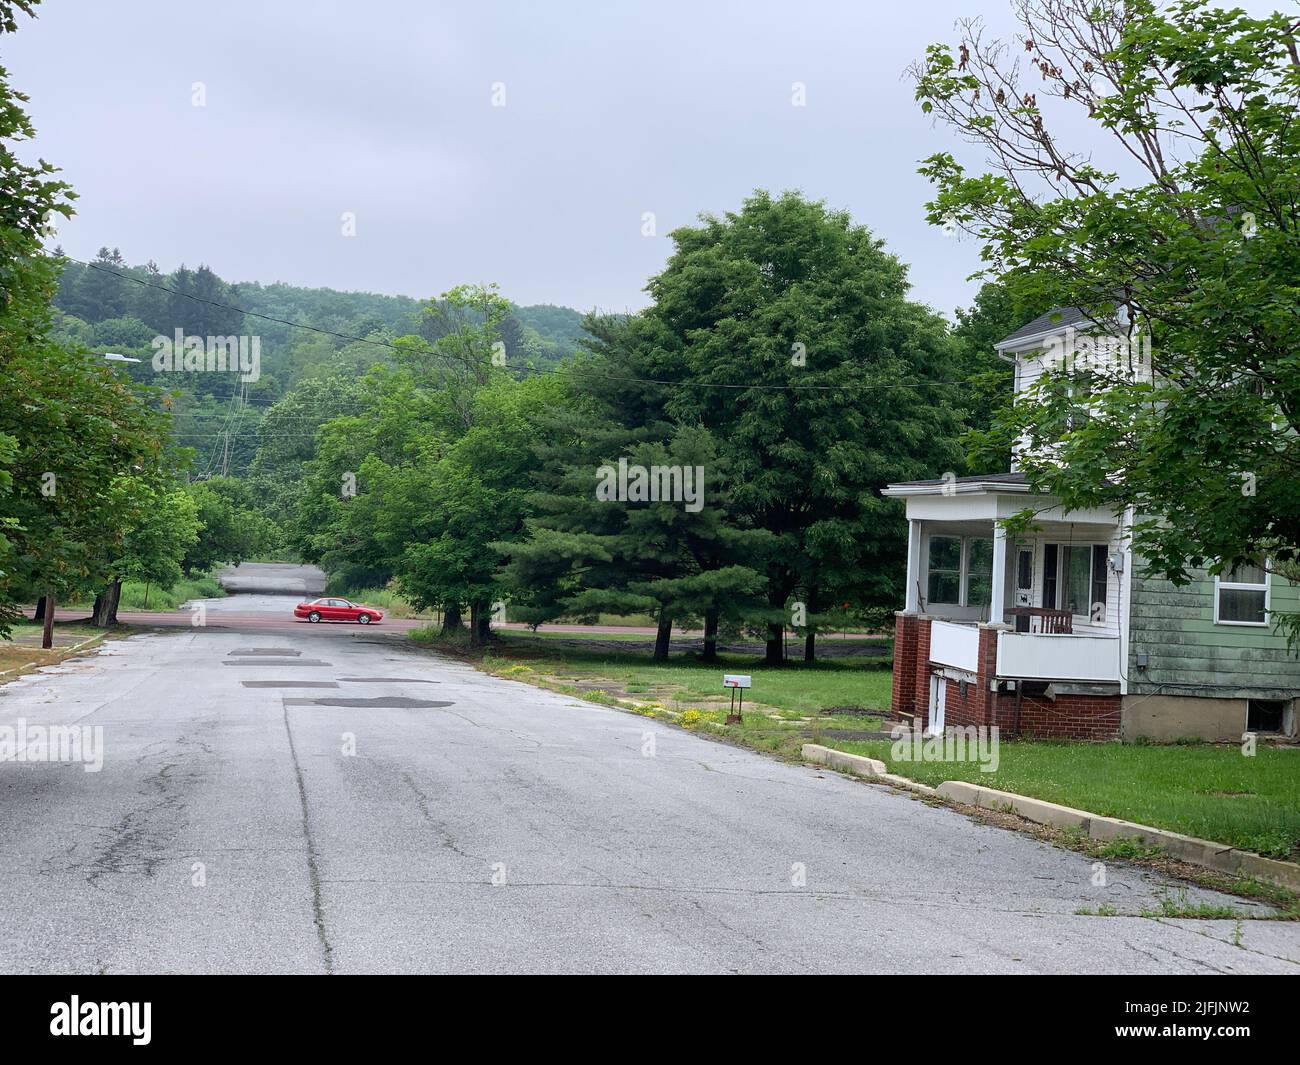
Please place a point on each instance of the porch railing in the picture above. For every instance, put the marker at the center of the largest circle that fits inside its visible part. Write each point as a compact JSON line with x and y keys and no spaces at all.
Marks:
{"x":955,"y":645}
{"x":1053,"y":622}
{"x":1039,"y":656}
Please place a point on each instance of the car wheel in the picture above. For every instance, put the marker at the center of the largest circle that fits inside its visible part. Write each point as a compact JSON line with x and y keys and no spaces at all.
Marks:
{"x":363,"y":619}
{"x":314,"y":616}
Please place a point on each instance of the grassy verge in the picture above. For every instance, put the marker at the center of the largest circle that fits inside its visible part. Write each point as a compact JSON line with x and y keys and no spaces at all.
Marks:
{"x":23,"y":649}
{"x":786,"y":707}
{"x":1213,"y":792}
{"x":137,"y":595}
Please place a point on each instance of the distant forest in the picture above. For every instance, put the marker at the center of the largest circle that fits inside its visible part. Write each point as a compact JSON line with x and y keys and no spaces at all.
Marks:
{"x":215,"y":414}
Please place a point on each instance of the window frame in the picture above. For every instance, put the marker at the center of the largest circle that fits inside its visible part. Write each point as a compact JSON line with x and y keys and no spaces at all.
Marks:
{"x":1059,"y":579}
{"x":1238,"y":586}
{"x":930,"y":570}
{"x":963,"y":570}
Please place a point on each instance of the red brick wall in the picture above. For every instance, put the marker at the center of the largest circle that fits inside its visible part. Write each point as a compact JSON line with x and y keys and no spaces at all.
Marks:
{"x":903,"y":698}
{"x":921,"y":677}
{"x":1067,"y":717}
{"x":1077,"y":717}
{"x":964,"y":711}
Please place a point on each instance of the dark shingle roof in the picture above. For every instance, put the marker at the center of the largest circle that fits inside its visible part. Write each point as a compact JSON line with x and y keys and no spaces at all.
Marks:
{"x":1058,"y":318}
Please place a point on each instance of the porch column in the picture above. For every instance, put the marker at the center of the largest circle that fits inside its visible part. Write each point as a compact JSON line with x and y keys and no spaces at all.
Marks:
{"x":911,"y":601}
{"x":998,"y":594}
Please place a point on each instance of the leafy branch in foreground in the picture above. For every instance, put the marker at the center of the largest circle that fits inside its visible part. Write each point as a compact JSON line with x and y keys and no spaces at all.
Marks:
{"x":1187,"y":246}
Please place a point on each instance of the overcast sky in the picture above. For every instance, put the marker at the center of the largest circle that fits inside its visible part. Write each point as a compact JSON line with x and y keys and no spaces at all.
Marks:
{"x":385,"y":109}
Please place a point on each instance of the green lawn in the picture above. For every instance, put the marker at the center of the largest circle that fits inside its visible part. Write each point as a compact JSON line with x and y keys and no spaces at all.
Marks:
{"x":804,"y":690}
{"x":1214,"y":792}
{"x":23,"y":646}
{"x":136,"y":595}
{"x":622,"y":637}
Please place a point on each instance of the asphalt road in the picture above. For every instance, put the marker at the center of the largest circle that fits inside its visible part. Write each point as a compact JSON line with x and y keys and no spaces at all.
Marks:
{"x":483,"y":825}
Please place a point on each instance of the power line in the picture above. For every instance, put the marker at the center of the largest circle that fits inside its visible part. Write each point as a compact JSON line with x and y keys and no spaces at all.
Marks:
{"x":860,"y":386}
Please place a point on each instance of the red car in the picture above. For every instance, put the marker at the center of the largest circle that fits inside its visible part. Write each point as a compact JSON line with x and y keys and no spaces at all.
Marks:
{"x":334,"y":609}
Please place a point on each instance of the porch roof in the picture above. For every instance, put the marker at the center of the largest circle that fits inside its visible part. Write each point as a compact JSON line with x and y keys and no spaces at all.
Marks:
{"x":989,"y":497}
{"x":976,"y":483}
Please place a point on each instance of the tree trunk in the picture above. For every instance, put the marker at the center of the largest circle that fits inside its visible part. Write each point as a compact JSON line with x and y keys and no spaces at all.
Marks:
{"x":711,"y":635}
{"x":40,"y":610}
{"x":778,"y":591}
{"x":47,"y":630}
{"x":104,"y":614}
{"x":480,"y":617}
{"x":450,"y":617}
{"x":775,"y":645}
{"x":810,"y":646}
{"x":663,"y":634}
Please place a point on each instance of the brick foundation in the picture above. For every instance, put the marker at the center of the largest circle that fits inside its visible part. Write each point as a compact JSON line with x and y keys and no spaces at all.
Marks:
{"x":1067,"y":716}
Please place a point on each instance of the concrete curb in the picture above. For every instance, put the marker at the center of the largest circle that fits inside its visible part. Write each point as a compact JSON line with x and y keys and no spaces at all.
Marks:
{"x":860,"y":766}
{"x":857,"y":764}
{"x":904,"y":782}
{"x":1217,"y":856}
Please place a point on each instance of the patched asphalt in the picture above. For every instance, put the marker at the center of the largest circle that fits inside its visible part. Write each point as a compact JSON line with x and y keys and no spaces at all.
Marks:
{"x":238,"y":827}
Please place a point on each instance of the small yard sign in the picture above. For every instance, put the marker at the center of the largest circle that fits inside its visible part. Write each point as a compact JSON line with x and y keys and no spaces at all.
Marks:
{"x":736,"y":682}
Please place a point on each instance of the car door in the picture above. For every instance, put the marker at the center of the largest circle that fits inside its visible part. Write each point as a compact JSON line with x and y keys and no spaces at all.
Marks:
{"x":330,"y":609}
{"x":346,"y":611}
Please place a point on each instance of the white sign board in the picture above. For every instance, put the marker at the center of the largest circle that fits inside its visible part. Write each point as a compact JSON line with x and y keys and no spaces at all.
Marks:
{"x":735,"y":680}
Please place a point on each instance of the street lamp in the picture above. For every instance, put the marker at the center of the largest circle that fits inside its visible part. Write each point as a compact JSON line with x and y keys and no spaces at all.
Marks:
{"x":113,"y":356}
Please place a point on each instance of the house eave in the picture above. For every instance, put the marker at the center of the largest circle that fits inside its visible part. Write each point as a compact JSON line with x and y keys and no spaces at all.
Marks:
{"x":899,"y":491}
{"x":1029,"y":343}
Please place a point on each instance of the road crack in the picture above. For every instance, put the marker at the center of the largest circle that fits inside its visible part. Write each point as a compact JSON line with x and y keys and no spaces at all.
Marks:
{"x":313,"y":865}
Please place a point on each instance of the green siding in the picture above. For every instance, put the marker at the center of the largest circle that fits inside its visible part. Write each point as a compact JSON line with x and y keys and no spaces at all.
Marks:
{"x":1190,"y":654}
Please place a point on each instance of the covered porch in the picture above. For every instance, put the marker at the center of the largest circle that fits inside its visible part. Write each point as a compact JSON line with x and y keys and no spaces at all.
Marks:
{"x":1052,"y":599}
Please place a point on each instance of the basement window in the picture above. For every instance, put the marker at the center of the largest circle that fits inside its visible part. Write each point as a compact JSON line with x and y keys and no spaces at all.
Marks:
{"x":1264,"y":715}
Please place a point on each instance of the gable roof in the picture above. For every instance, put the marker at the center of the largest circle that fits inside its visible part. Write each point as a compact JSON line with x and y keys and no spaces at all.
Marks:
{"x":1052,"y":322}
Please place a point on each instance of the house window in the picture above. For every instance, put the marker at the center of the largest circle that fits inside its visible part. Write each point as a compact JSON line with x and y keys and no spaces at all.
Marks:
{"x":1074,"y":579}
{"x":1241,"y":595}
{"x":944,"y":585}
{"x":979,"y":571}
{"x":961,"y":571}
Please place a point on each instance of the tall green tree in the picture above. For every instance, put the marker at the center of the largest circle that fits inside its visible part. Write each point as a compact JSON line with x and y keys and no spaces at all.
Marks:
{"x":70,"y":427}
{"x":163,"y":525}
{"x":785,"y":330}
{"x":1189,"y":249}
{"x":590,"y":550}
{"x":474,"y":496}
